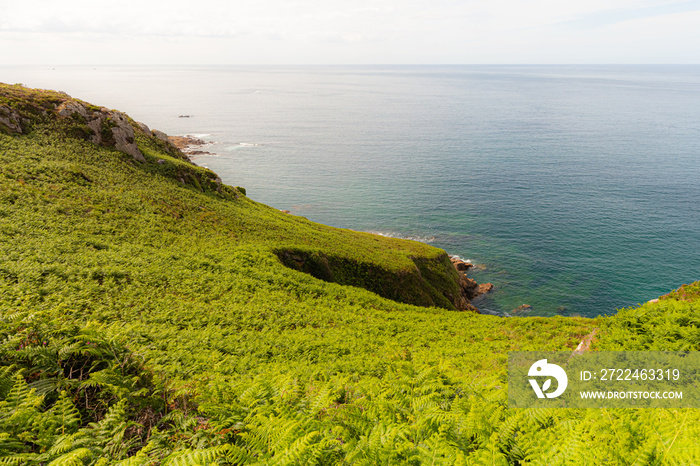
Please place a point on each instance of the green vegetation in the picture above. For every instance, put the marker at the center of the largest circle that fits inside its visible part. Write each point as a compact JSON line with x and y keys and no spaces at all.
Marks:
{"x":75,"y":394}
{"x":147,"y":317}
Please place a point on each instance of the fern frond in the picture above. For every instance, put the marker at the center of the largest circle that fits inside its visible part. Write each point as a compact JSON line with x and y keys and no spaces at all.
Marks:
{"x":65,"y":413}
{"x":201,"y":457}
{"x":74,"y":458}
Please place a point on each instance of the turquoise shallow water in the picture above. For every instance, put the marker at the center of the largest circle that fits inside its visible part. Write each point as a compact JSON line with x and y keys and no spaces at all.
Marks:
{"x":575,"y":186}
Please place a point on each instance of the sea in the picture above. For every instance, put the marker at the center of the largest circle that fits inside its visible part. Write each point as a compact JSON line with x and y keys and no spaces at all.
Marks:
{"x":574,"y":189}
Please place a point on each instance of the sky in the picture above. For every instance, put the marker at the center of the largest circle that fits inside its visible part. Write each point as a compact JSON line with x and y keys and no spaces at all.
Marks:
{"x":104,"y":32}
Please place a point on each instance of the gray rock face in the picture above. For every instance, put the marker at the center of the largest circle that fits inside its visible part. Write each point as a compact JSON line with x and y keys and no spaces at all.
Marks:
{"x":122,"y":133}
{"x":99,"y":125}
{"x":144,"y":127}
{"x":96,"y":126}
{"x":160,"y":135}
{"x":10,"y":120}
{"x":70,"y":107}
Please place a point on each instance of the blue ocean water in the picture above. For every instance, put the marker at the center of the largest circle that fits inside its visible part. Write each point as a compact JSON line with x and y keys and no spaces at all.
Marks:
{"x":576,"y":187}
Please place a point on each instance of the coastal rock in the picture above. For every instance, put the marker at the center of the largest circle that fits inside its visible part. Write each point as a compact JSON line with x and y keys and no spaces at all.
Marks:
{"x":460,"y":265}
{"x":123,"y":134}
{"x":189,"y":145}
{"x":469,"y":287}
{"x":10,"y":120}
{"x":144,"y":128}
{"x":522,"y":308}
{"x":186,"y":143}
{"x":485,"y":288}
{"x":71,"y":107}
{"x":170,"y":144}
{"x":160,"y":135}
{"x":108,"y":127}
{"x":470,"y":307}
{"x":96,"y":126}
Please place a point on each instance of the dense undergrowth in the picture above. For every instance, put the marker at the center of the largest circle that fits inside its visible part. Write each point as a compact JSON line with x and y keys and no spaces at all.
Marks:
{"x":146,"y":317}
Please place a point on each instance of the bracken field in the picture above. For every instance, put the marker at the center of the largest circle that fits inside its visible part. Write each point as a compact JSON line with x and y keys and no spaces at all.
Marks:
{"x":150,"y":314}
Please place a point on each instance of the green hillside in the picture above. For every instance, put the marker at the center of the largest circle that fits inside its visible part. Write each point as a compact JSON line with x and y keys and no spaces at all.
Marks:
{"x":150,"y":314}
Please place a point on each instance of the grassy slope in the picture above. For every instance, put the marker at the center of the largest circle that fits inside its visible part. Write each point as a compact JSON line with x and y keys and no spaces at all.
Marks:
{"x":407,"y":272}
{"x":283,"y":363}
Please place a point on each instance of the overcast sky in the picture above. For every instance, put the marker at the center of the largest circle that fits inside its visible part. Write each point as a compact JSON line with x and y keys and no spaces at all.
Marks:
{"x":348,"y":31}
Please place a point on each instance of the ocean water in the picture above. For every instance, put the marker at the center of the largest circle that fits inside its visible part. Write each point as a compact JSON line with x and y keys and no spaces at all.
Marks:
{"x":576,"y":187}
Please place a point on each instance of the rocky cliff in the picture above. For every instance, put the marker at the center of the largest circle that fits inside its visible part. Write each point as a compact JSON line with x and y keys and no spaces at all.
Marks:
{"x":21,"y":108}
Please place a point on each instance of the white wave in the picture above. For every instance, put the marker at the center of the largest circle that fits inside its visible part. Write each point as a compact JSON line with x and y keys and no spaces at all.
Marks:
{"x":422,"y":239}
{"x":210,"y":155}
{"x":242,"y":145}
{"x":461,"y":258}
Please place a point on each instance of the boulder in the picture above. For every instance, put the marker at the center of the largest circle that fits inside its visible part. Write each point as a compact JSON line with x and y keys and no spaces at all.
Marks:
{"x":95,"y":125}
{"x":485,"y":288}
{"x":160,"y":135}
{"x":460,"y":265}
{"x":469,"y":287}
{"x":522,"y":308}
{"x":144,"y":128}
{"x":10,"y":120}
{"x":69,"y":107}
{"x":123,"y":134}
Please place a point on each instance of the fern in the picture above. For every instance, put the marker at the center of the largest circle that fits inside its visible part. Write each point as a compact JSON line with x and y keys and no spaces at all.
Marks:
{"x":77,"y":457}
{"x":200,"y":457}
{"x":65,"y":413}
{"x":147,"y":322}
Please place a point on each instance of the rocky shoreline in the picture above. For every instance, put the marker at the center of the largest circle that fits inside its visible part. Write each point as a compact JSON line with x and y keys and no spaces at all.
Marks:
{"x":469,"y":287}
{"x":190,"y":145}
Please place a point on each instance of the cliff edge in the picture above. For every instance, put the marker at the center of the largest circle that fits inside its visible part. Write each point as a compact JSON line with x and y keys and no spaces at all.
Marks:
{"x":114,"y":146}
